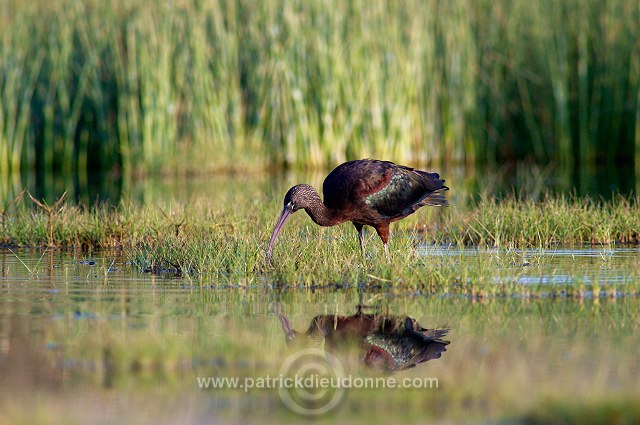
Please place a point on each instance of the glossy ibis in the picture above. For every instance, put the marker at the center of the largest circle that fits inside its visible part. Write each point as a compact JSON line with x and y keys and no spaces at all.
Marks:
{"x":389,"y":343}
{"x":365,"y":192}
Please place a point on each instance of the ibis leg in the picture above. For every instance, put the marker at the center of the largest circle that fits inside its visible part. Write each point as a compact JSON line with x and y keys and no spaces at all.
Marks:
{"x":360,"y":235}
{"x":383,"y":232}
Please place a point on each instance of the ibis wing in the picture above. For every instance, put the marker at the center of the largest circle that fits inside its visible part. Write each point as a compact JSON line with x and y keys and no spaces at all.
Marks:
{"x":406,"y":191}
{"x":402,"y":350}
{"x":352,"y":181}
{"x":390,"y":190}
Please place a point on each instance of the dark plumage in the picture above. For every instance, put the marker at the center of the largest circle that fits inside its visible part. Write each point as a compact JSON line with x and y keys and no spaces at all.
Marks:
{"x":365,"y":192}
{"x":387,"y":343}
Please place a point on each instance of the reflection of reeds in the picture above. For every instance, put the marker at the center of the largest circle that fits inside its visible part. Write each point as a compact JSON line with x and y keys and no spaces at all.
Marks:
{"x":141,"y":85}
{"x":114,"y":352}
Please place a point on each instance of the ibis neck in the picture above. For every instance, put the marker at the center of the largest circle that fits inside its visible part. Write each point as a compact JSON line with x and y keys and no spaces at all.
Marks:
{"x":322,"y":215}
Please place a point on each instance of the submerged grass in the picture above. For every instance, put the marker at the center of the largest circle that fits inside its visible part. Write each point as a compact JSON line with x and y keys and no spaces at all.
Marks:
{"x":622,"y":411}
{"x":201,"y":239}
{"x":133,"y":340}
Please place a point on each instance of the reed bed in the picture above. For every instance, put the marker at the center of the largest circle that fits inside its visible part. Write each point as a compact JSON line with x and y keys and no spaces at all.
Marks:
{"x":139,"y":85}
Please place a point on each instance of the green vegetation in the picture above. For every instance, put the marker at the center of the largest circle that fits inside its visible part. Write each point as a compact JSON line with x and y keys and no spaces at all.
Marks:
{"x":204,"y":239}
{"x":554,"y":220}
{"x":137,"y":85}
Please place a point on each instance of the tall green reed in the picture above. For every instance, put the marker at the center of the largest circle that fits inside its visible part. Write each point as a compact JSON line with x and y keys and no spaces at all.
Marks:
{"x":138,"y":85}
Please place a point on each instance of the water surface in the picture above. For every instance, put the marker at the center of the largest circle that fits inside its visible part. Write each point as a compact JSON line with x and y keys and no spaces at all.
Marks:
{"x":466,"y":183}
{"x":89,"y":339}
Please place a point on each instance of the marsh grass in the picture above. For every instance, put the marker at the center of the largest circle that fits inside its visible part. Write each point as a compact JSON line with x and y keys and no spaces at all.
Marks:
{"x":560,"y":219}
{"x":207,"y":85}
{"x":204,"y":241}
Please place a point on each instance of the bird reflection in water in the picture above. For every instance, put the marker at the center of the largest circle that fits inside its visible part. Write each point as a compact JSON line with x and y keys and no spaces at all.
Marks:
{"x":385,"y":343}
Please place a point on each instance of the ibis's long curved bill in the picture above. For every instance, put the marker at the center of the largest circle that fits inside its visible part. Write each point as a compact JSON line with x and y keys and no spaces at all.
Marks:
{"x":289,"y":332}
{"x":286,"y":212}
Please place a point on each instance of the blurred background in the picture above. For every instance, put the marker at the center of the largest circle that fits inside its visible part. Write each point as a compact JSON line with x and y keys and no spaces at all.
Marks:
{"x":94,"y":95}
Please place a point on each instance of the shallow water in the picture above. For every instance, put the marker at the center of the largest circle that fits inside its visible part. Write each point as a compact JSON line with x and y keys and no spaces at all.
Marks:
{"x":600,"y":267}
{"x":91,"y":340}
